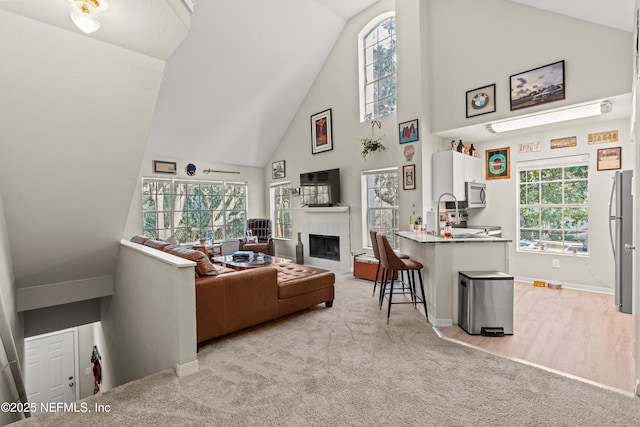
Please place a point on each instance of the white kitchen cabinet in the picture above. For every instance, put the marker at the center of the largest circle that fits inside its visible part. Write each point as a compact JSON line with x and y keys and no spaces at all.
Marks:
{"x":450,"y":170}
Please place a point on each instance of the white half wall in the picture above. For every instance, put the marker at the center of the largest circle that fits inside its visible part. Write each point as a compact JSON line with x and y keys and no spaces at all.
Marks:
{"x":149,"y":324}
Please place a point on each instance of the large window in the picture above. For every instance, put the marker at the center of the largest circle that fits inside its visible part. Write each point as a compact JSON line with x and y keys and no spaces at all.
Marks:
{"x":554,"y":205}
{"x":191,"y":210}
{"x":380,"y":197}
{"x":378,"y":68}
{"x":281,"y":210}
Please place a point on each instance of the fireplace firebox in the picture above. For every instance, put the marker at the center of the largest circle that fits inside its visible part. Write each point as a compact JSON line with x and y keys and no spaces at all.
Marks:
{"x":326,"y":247}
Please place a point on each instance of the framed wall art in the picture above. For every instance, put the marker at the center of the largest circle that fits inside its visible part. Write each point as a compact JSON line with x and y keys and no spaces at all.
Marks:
{"x":538,"y":86}
{"x":408,"y":131}
{"x":164,"y":167}
{"x":278,"y":169}
{"x":609,"y":158}
{"x":481,"y":101}
{"x":409,"y":177}
{"x":321,"y":135}
{"x":498,"y":163}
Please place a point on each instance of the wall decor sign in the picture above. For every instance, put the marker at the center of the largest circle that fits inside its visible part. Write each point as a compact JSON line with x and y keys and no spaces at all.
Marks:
{"x":160,"y":166}
{"x":538,"y":86}
{"x":409,"y":151}
{"x":598,"y":137}
{"x":408,"y":131}
{"x":570,"y":141}
{"x":278,"y":169}
{"x":321,"y":134}
{"x":409,"y":177}
{"x":609,"y":158}
{"x":498,"y":163}
{"x":481,"y":101}
{"x":531,"y":147}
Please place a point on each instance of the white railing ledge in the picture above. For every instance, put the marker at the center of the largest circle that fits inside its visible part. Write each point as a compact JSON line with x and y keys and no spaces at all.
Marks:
{"x":159,"y":255}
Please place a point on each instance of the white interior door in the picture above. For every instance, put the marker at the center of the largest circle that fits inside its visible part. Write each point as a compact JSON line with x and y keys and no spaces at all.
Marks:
{"x":50,"y":372}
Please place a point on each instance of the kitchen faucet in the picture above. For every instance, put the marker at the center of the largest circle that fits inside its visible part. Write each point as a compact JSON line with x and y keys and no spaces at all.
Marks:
{"x":457,"y":211}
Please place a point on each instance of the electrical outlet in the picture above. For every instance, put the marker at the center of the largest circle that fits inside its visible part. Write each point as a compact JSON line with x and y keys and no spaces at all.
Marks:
{"x":555,"y":263}
{"x":87,"y":371}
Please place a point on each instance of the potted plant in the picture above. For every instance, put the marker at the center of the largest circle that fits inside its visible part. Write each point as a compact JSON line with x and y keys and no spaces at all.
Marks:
{"x":371,"y":144}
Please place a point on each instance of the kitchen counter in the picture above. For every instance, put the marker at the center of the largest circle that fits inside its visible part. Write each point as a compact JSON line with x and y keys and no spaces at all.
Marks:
{"x":461,"y":235}
{"x":443,"y":258}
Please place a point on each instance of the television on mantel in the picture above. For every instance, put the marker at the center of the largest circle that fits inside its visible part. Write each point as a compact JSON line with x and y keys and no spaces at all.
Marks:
{"x":321,"y":188}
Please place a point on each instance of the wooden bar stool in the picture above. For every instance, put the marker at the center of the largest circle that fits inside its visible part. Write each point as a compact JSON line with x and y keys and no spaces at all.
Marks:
{"x":392,"y":263}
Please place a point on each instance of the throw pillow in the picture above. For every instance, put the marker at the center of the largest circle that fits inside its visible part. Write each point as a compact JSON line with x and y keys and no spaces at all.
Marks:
{"x":252,"y":239}
{"x":204,"y":267}
{"x":156,"y":244}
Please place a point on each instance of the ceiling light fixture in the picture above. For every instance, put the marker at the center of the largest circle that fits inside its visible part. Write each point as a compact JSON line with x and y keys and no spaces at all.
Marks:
{"x":84,"y":13}
{"x":556,"y":116}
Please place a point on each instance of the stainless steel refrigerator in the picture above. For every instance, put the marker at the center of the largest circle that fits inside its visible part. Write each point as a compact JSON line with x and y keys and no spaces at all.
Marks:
{"x":621,"y":233}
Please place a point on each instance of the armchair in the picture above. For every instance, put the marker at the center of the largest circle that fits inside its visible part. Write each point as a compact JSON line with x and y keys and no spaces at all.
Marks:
{"x":260,"y":228}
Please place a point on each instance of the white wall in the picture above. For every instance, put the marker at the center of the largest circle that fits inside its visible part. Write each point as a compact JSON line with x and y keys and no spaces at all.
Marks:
{"x":477,"y":43}
{"x":149,"y":324}
{"x":336,"y":87}
{"x":595,"y":272}
{"x":440,"y":54}
{"x":11,"y":337}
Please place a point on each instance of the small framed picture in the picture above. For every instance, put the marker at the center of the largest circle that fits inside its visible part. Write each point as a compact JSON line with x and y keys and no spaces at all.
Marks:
{"x":278,"y":169}
{"x":321,"y":134}
{"x":481,"y":101}
{"x":164,"y":167}
{"x":498,"y":163}
{"x":409,"y":177}
{"x":538,"y":86}
{"x":609,"y":158}
{"x":408,"y":131}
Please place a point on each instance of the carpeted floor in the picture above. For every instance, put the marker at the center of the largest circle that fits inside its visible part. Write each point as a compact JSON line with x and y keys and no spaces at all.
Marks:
{"x":345,"y":366}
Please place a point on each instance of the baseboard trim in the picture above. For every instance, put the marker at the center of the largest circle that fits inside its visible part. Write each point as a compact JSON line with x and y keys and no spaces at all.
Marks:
{"x":187,"y":368}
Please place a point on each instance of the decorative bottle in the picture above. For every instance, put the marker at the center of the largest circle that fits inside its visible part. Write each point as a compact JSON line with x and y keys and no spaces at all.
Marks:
{"x":460,"y":147}
{"x":473,"y":151}
{"x":300,"y":250}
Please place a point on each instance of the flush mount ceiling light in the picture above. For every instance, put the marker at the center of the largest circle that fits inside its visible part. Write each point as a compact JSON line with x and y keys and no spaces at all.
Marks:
{"x":84,"y":13}
{"x":562,"y":115}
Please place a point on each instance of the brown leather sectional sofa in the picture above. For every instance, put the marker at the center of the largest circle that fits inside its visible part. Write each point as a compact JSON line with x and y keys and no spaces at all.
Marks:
{"x":229,"y":300}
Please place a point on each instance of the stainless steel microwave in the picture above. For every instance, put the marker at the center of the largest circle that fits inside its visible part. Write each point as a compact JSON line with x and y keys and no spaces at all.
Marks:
{"x":476,"y":194}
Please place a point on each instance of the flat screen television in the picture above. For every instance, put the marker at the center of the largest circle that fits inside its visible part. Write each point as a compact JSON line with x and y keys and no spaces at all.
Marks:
{"x":321,"y":188}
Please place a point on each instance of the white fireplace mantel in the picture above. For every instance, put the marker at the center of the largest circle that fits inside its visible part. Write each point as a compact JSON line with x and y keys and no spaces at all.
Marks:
{"x":327,"y":209}
{"x":327,"y":221}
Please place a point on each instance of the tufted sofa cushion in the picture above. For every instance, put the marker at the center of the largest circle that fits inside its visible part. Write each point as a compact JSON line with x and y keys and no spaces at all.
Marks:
{"x":295,"y":279}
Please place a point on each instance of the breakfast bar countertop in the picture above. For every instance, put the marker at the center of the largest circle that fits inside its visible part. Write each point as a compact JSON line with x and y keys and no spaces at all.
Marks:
{"x":423,"y":237}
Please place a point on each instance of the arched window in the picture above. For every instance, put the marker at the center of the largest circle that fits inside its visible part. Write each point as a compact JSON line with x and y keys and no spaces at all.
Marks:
{"x":377,"y":57}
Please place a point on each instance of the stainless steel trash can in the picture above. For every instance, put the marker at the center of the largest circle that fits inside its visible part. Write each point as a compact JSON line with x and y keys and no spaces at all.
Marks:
{"x":485,"y":303}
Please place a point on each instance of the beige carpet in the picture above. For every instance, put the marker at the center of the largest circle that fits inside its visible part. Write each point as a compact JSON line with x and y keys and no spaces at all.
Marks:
{"x":345,"y":366}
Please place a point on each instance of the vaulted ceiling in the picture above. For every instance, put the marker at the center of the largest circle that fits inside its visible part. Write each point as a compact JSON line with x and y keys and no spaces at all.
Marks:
{"x":234,"y":84}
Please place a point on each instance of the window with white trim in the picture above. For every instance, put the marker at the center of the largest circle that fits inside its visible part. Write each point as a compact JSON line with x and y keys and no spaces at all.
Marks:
{"x":280,"y":200}
{"x":553,"y":205}
{"x":380,"y":198}
{"x":191,"y":210}
{"x":377,"y":58}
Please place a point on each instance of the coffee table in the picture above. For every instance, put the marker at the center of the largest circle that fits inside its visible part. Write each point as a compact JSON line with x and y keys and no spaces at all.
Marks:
{"x":227,"y":261}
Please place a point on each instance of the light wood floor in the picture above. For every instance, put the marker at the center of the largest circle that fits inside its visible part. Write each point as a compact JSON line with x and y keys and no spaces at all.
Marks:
{"x":575,"y":332}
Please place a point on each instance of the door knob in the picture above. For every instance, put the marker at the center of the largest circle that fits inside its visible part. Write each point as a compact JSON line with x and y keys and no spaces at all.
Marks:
{"x":70,"y":384}
{"x":628,"y":247}
{"x":70,"y":378}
